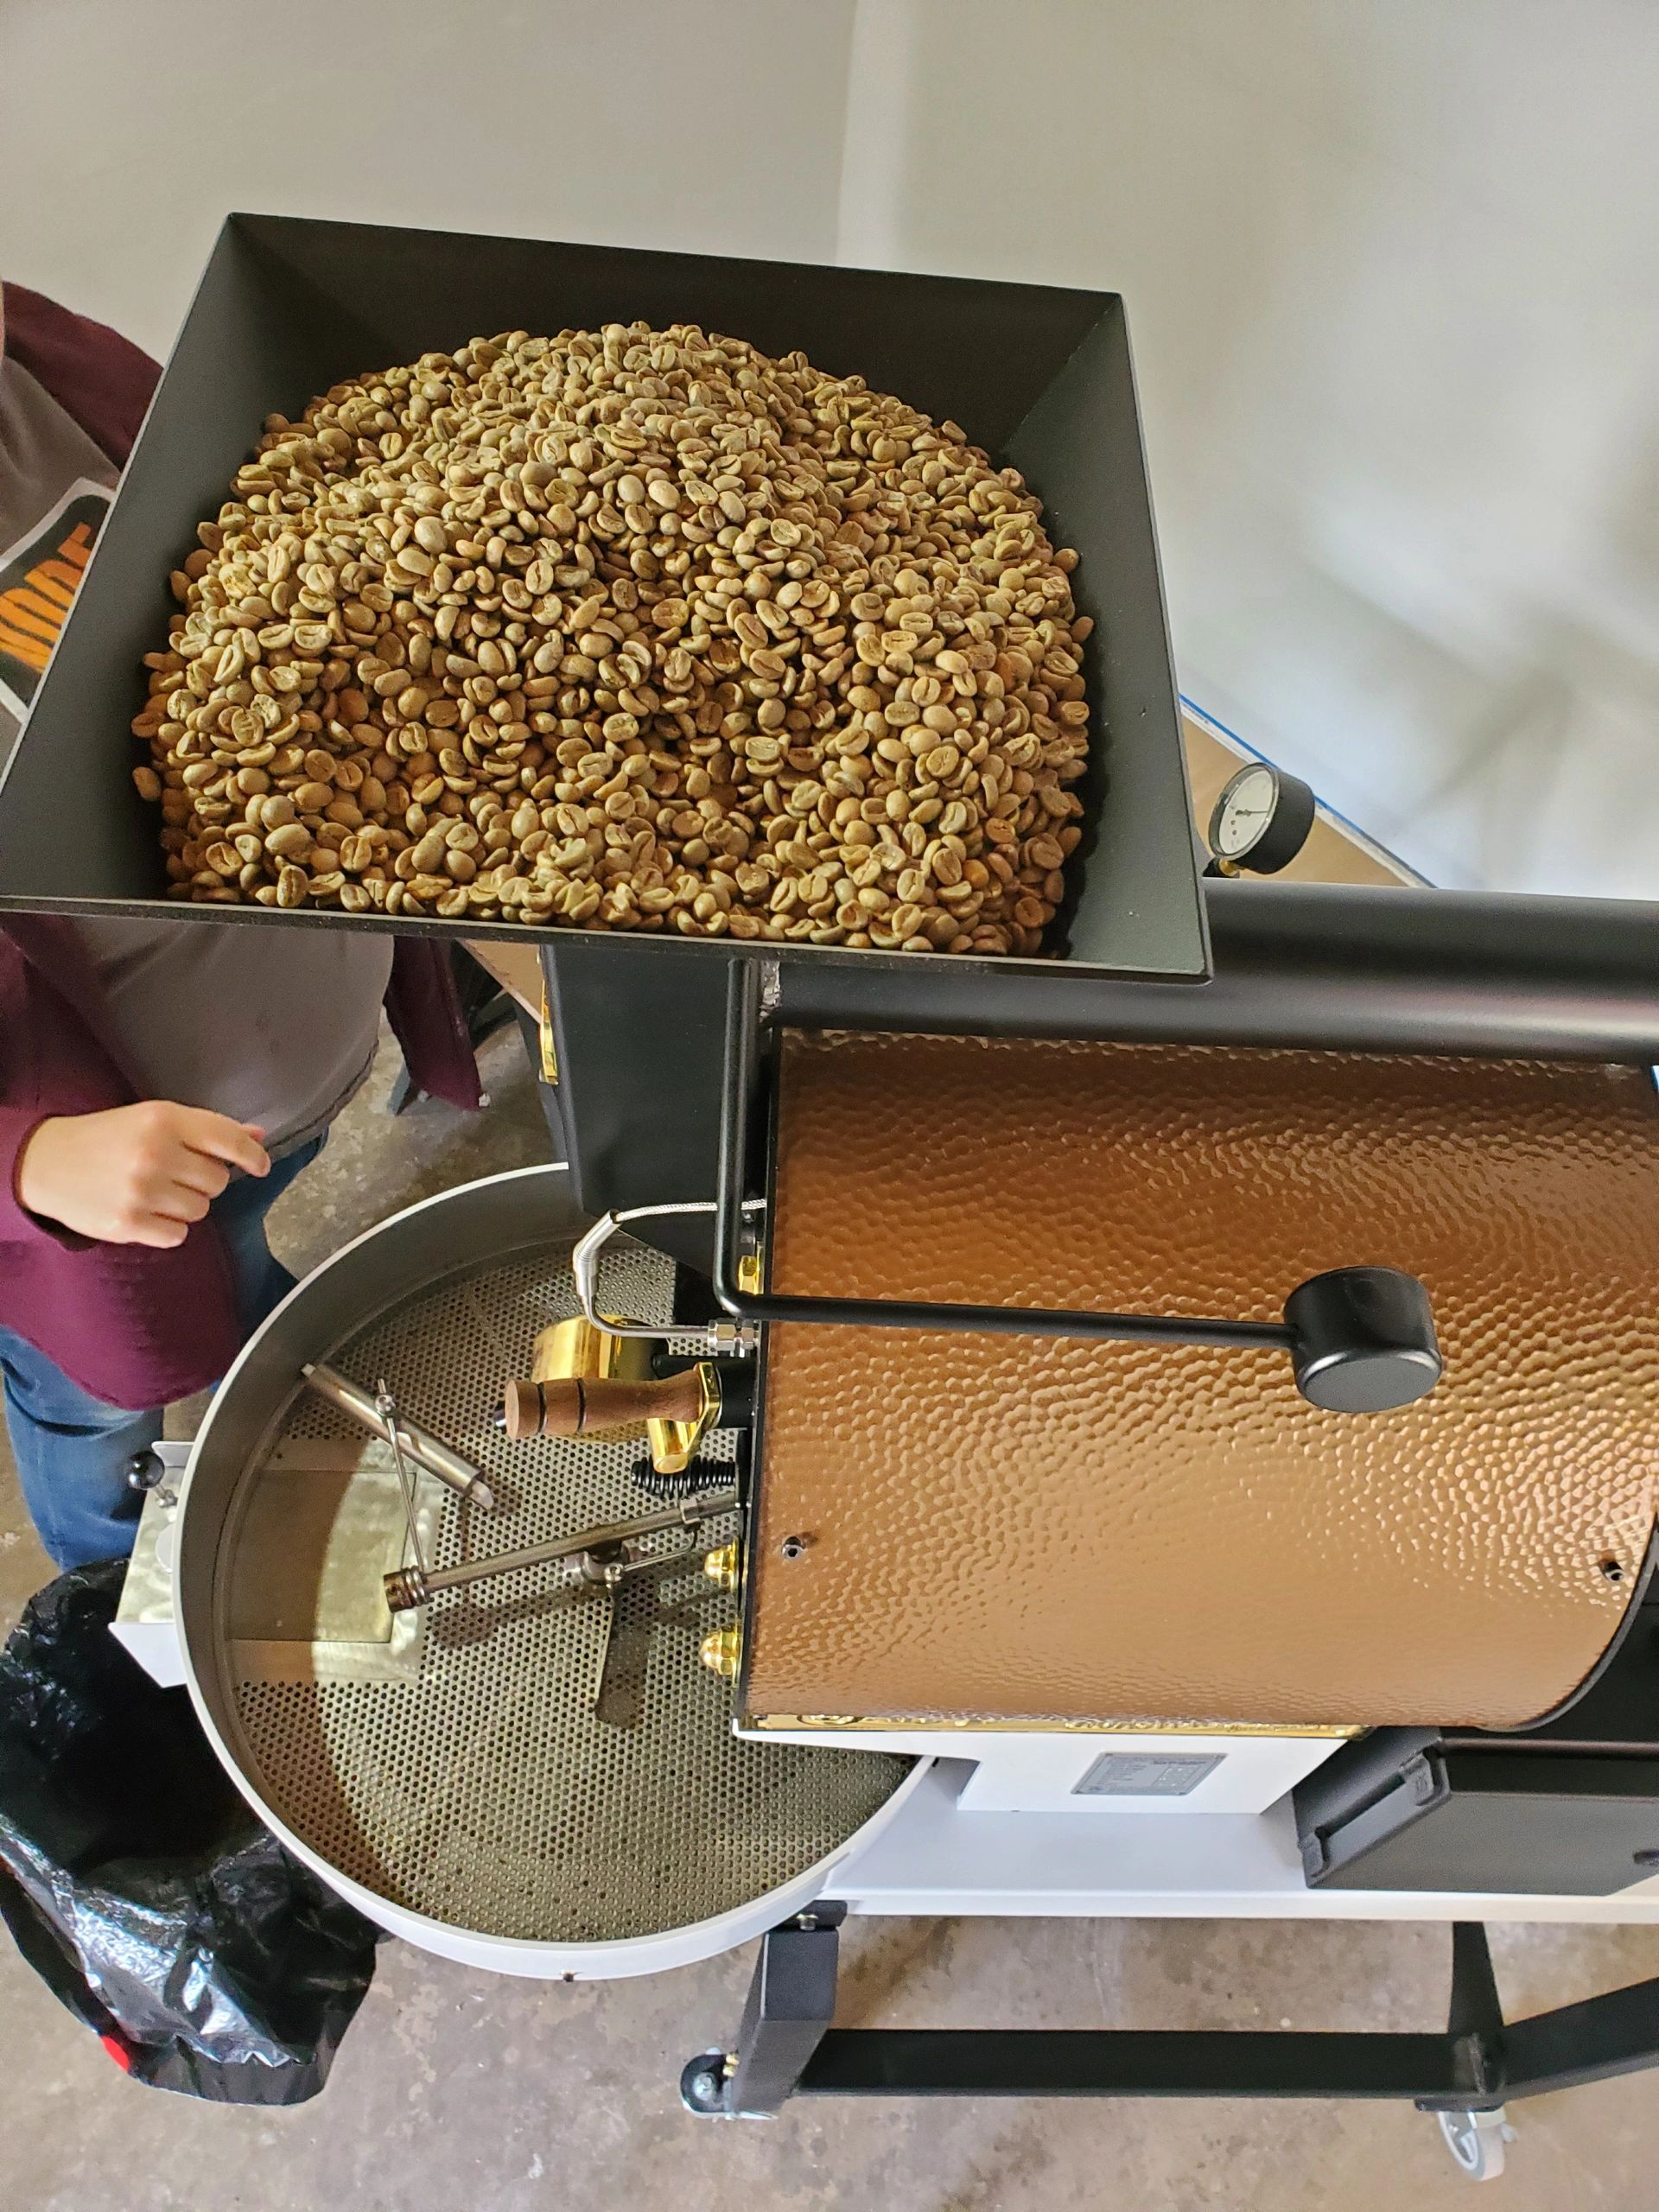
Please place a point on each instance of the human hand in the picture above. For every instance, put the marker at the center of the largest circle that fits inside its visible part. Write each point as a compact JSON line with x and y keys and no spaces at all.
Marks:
{"x":135,"y":1174}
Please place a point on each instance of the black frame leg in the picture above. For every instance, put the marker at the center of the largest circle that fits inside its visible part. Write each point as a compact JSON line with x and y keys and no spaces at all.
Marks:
{"x":790,"y":2004}
{"x":1474,"y":2026}
{"x":787,"y":2046}
{"x":1592,"y":2041}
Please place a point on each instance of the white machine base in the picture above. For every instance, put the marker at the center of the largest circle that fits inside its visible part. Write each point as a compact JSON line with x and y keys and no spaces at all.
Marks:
{"x":935,"y":1857}
{"x":1095,"y":1773}
{"x":145,"y":1621}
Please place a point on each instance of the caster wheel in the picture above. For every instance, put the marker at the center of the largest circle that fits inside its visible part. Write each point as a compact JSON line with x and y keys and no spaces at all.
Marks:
{"x":702,"y":2085}
{"x":1477,"y":2140}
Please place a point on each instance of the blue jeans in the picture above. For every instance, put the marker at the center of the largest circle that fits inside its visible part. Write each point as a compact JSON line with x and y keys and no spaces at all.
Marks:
{"x":72,"y":1449}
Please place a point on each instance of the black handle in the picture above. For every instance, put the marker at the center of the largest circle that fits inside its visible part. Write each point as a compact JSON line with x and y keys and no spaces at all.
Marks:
{"x":146,"y":1469}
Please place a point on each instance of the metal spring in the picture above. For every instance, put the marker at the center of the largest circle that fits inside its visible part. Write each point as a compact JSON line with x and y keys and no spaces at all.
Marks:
{"x":700,"y":1475}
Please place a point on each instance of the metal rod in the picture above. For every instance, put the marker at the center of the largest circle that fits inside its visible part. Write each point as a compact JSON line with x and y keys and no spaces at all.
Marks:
{"x":584,"y":1267}
{"x":742,"y":1030}
{"x":387,"y":1406}
{"x":405,"y":1590}
{"x":1021,"y":1321}
{"x":418,"y":1444}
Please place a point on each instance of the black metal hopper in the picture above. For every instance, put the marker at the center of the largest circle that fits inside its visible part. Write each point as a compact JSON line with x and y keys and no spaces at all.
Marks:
{"x":1041,"y":376}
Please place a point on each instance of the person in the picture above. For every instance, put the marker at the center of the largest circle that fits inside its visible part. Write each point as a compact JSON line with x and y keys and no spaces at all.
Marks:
{"x":162,"y":1082}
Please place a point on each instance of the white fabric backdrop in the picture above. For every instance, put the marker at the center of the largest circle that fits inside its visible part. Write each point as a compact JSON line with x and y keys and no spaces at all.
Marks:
{"x":1392,"y":269}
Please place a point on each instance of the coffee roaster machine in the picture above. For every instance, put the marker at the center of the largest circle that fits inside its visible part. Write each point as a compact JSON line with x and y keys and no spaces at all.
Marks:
{"x":1163,"y":1430}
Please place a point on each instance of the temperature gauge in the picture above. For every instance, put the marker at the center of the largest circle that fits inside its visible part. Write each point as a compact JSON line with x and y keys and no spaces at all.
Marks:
{"x":1260,"y":821}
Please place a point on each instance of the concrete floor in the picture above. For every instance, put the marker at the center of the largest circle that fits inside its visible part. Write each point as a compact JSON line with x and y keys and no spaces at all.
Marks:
{"x":458,"y":2089}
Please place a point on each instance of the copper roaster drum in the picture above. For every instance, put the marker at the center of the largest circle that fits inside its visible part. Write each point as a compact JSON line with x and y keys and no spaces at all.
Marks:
{"x":1027,"y":1528}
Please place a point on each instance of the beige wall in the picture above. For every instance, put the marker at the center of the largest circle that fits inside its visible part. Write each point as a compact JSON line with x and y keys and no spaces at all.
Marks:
{"x":1392,"y":269}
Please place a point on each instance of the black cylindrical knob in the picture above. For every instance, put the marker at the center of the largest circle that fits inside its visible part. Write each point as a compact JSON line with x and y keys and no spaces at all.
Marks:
{"x":1363,"y":1340}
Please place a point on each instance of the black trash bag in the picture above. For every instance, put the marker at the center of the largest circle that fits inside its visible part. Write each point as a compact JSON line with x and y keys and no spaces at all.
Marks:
{"x":141,"y":1888}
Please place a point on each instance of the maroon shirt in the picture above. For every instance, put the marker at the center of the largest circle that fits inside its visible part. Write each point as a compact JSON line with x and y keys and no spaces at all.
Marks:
{"x":135,"y":1326}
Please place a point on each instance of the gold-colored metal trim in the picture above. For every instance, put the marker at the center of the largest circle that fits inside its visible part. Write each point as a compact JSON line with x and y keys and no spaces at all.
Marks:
{"x":673,"y":1444}
{"x":549,"y":1051}
{"x":575,"y":1351}
{"x":1039,"y":1727}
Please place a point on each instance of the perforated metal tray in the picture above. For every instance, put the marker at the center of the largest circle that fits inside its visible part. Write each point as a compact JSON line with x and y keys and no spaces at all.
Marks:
{"x":467,"y":1777}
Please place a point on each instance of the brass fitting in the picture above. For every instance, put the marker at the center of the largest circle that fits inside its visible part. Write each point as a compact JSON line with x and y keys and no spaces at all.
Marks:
{"x":673,"y":1444}
{"x":405,"y":1588}
{"x":723,"y":1652}
{"x":721,"y":1567}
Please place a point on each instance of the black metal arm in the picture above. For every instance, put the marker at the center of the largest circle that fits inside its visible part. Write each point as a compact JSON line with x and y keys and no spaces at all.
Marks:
{"x":1362,"y":1338}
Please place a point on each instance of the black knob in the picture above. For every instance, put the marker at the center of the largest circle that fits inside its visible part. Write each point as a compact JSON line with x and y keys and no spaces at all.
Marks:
{"x":1363,"y":1340}
{"x":145,"y":1469}
{"x":1647,"y":1857}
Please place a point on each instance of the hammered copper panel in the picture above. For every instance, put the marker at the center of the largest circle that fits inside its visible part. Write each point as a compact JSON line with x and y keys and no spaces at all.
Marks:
{"x":1009,"y":1526}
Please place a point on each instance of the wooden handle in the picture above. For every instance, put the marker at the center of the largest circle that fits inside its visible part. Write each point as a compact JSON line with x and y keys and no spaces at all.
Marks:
{"x":578,"y":1407}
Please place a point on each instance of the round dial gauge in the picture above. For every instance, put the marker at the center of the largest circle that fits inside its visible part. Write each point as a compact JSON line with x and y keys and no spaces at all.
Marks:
{"x":1244,"y":810}
{"x":1262,"y":819}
